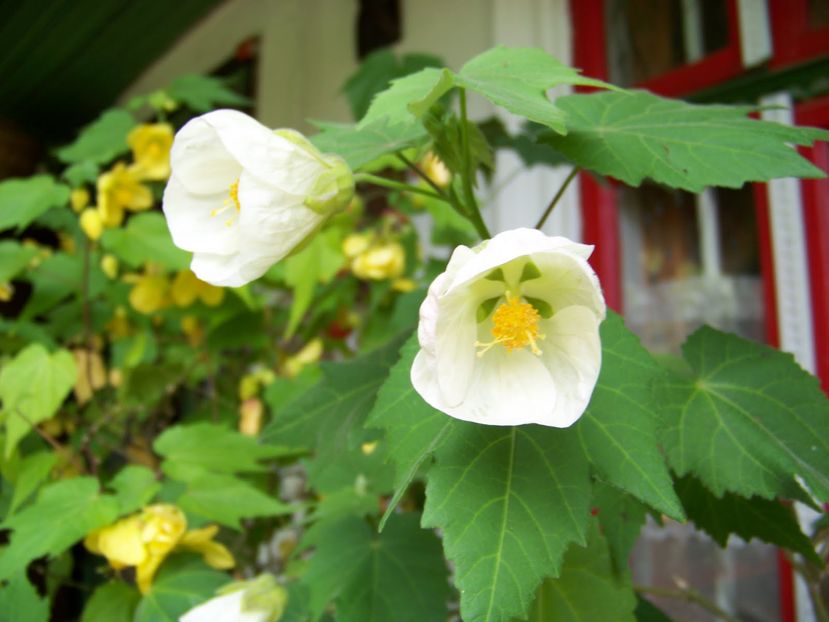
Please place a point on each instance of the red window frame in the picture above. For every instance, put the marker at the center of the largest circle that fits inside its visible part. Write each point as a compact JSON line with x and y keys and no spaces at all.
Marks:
{"x":794,"y":41}
{"x":599,"y":205}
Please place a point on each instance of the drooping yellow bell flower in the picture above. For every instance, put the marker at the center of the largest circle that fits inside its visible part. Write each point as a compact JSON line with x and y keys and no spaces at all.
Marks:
{"x":150,"y":144}
{"x":121,"y":189}
{"x":109,"y":265}
{"x":91,"y":376}
{"x":92,"y":223}
{"x":187,"y":287}
{"x":381,"y":261}
{"x":79,"y":199}
{"x":311,"y":353}
{"x":150,"y":292}
{"x":144,"y":541}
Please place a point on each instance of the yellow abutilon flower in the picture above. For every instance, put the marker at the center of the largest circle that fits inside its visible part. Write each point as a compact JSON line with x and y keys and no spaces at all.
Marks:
{"x":241,"y":197}
{"x":91,"y":223}
{"x":509,"y":333}
{"x":187,"y":287}
{"x":150,"y":291}
{"x":150,"y":144}
{"x":145,"y":539}
{"x":121,"y":189}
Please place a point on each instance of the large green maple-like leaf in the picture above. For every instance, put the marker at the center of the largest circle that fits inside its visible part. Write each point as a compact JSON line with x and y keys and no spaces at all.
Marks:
{"x":191,"y":450}
{"x":514,"y":78}
{"x":80,"y":507}
{"x":20,"y":602}
{"x":101,"y":140}
{"x":144,"y":237}
{"x":588,"y":589}
{"x":182,"y":583}
{"x":360,"y":145}
{"x":114,"y":602}
{"x":397,"y":575}
{"x":636,"y":135}
{"x":619,"y":429}
{"x":413,"y":428}
{"x":765,"y":519}
{"x":748,"y":419}
{"x":32,"y":387}
{"x":509,"y":501}
{"x":518,"y":79}
{"x":329,"y":417}
{"x":23,"y":200}
{"x":621,"y":517}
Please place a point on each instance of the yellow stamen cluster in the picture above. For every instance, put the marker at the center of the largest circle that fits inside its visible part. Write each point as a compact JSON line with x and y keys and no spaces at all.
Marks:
{"x":231,"y":202}
{"x":514,"y":325}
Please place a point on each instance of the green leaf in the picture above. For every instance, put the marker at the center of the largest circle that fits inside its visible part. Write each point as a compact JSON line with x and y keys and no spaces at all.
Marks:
{"x":23,"y":200}
{"x":33,"y":469}
{"x":56,"y":278}
{"x":587,"y":590}
{"x":633,"y":136}
{"x":112,"y":602}
{"x":82,"y":173}
{"x":32,"y":387}
{"x":20,"y":602}
{"x":145,"y":238}
{"x":134,"y":487}
{"x":509,"y":501}
{"x":204,"y":93}
{"x":408,"y":98}
{"x":362,"y":146}
{"x":227,"y":499}
{"x":648,"y":612}
{"x":398,"y":575}
{"x":414,"y":430}
{"x":619,"y":430}
{"x":518,"y":79}
{"x":621,"y":517}
{"x":36,"y":532}
{"x":747,"y":421}
{"x":329,"y":418}
{"x":376,"y":71}
{"x":14,"y":258}
{"x":448,"y":144}
{"x":191,"y":450}
{"x":101,"y":140}
{"x":764,"y":519}
{"x":182,"y":583}
{"x":318,"y":262}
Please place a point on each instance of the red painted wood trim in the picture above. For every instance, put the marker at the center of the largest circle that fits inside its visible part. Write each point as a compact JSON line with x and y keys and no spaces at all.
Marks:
{"x":793,"y":40}
{"x":785,"y":583}
{"x":761,"y":206}
{"x":816,"y":224}
{"x":713,"y":69}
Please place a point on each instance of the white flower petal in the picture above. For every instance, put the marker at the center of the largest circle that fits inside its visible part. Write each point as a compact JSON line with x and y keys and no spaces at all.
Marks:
{"x":510,"y":245}
{"x":572,"y":351}
{"x":191,"y":224}
{"x":566,"y":280}
{"x":274,"y":218}
{"x":225,"y":608}
{"x":455,"y":348}
{"x":273,"y":159}
{"x":200,"y":160}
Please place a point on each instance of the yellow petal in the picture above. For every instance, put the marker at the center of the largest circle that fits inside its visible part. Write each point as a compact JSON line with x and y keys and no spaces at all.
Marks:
{"x":185,"y":288}
{"x":121,"y":543}
{"x":201,"y":541}
{"x":79,"y":199}
{"x":92,"y":223}
{"x":150,"y":144}
{"x":211,"y":295}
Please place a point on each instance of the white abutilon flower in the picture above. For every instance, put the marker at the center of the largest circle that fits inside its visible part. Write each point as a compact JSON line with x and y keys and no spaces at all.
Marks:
{"x":241,"y":196}
{"x":509,"y":333}
{"x":259,"y":600}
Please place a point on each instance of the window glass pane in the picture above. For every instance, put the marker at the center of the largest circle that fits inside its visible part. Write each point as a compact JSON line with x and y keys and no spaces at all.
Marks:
{"x":647,"y":38}
{"x":688,"y":260}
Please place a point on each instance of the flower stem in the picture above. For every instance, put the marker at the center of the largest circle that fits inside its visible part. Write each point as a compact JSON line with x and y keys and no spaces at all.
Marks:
{"x":473,"y":211}
{"x":576,"y":170}
{"x":396,"y":185}
{"x":420,"y":173}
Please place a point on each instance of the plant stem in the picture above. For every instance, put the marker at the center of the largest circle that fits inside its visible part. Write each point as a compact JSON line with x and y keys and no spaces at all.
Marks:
{"x":557,"y":197}
{"x":474,"y":212}
{"x":420,"y":173}
{"x":689,"y":595}
{"x":396,"y":185}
